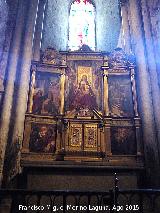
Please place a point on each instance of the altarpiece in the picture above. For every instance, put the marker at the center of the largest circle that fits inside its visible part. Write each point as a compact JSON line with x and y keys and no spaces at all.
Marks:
{"x":82,"y":106}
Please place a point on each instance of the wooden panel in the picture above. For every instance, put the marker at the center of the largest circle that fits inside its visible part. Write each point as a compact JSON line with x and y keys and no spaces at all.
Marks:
{"x":90,"y":137}
{"x":75,"y":141}
{"x":120,"y":96}
{"x":46,"y":94}
{"x":123,"y":141}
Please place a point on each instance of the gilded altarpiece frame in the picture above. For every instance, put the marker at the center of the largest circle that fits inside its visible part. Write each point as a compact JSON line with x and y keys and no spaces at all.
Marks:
{"x":45,"y":108}
{"x":40,"y":138}
{"x":84,"y":82}
{"x":83,"y":137}
{"x":94,"y":115}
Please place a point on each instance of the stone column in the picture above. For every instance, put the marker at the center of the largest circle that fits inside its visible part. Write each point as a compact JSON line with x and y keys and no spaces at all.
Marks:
{"x":152,"y":66}
{"x":154,"y":9}
{"x":146,"y":107}
{"x":9,"y":89}
{"x":38,"y":30}
{"x":22,"y":94}
{"x":125,"y":27}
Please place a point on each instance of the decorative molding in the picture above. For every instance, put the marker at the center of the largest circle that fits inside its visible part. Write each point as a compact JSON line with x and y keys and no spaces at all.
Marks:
{"x":117,"y":58}
{"x":85,"y":48}
{"x":51,"y":56}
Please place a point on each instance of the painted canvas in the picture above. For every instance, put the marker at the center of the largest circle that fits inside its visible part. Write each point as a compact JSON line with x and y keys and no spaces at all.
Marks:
{"x":120,"y":96}
{"x":42,"y":138}
{"x":123,"y":141}
{"x":46,"y":98}
{"x":84,"y":87}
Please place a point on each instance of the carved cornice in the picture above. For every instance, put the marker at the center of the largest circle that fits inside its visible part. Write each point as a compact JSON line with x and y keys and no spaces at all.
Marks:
{"x":85,"y":48}
{"x":117,"y":58}
{"x":51,"y":56}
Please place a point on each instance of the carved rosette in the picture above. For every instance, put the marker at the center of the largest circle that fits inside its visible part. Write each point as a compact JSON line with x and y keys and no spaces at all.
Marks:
{"x":51,"y":56}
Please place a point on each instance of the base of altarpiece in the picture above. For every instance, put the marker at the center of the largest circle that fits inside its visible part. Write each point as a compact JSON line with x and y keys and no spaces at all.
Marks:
{"x":68,"y":175}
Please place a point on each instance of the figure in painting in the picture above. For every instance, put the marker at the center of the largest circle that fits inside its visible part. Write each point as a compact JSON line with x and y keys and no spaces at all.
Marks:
{"x":120,"y":97}
{"x":42,"y":140}
{"x":84,"y":97}
{"x":46,"y":97}
{"x":37,"y":102}
{"x":51,"y":103}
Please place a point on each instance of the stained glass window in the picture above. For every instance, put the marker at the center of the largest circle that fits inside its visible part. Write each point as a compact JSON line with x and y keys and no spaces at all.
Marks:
{"x":81,"y":25}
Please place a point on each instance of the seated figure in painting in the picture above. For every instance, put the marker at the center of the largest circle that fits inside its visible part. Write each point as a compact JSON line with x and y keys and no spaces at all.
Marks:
{"x":46,"y":98}
{"x":42,"y":140}
{"x":84,"y":96}
{"x":51,"y":103}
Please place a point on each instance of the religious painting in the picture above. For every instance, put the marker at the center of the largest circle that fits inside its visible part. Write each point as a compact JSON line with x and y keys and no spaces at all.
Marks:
{"x":84,"y":88}
{"x":46,"y":97}
{"x":123,"y":141}
{"x":84,"y":95}
{"x":120,"y":96}
{"x":42,"y":138}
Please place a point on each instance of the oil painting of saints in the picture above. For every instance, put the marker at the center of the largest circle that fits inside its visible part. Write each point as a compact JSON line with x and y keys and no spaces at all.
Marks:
{"x":42,"y":139}
{"x":46,"y":95}
{"x":84,"y":98}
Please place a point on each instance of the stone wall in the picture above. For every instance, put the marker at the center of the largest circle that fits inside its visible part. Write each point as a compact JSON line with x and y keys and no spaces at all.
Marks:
{"x":7,"y":23}
{"x":154,"y":8}
{"x":55,"y":33}
{"x":108,"y":24}
{"x":3,"y":25}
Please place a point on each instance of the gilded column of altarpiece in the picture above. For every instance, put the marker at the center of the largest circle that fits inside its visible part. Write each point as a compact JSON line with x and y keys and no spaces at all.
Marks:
{"x":82,"y":106}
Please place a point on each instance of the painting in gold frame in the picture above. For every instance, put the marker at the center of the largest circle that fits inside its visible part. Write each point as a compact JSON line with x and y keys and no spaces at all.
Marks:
{"x":46,"y":95}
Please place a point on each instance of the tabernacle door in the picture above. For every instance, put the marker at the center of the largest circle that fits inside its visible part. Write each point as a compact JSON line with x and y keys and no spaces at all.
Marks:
{"x":90,"y":137}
